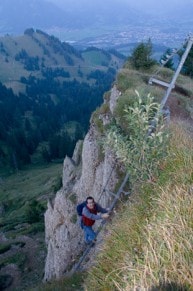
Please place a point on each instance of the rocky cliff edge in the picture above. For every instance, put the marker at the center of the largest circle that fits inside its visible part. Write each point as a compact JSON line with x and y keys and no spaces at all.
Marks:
{"x":88,"y":172}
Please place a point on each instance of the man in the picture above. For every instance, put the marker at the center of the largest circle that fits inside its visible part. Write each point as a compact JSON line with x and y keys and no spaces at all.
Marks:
{"x":89,"y":215}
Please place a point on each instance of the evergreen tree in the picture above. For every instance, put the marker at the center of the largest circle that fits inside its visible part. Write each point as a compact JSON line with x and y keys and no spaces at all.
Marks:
{"x":187,"y":68}
{"x":141,"y":57}
{"x":45,"y":155}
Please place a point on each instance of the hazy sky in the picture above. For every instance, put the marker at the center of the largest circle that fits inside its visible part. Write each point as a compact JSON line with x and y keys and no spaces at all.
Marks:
{"x":146,"y":5}
{"x":96,"y":16}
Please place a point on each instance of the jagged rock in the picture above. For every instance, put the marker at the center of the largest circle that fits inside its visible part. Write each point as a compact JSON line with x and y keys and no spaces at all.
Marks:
{"x":64,"y":236}
{"x":77,"y":152}
{"x":113,"y":99}
{"x":68,"y":171}
{"x":61,"y":236}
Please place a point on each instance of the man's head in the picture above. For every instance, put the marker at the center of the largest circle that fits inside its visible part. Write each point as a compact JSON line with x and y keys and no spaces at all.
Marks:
{"x":90,"y":202}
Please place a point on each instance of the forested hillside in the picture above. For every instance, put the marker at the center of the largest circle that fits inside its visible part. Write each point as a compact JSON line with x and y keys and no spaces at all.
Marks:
{"x":48,"y":91}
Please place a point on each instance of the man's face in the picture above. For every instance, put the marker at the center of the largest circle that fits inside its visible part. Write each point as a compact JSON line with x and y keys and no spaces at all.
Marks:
{"x":90,"y":203}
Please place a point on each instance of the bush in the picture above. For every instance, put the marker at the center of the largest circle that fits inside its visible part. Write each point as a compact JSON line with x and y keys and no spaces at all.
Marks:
{"x":4,"y":248}
{"x":34,"y":228}
{"x":17,"y":259}
{"x":139,"y":151}
{"x":34,"y":211}
{"x":125,"y":100}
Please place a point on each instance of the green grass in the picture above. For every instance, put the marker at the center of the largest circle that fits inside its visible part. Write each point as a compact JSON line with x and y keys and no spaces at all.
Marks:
{"x":143,"y":248}
{"x":150,"y":242}
{"x":4,"y":247}
{"x":22,"y":195}
{"x":95,"y":58}
{"x":71,"y":283}
{"x":128,"y":79}
{"x":32,"y":229}
{"x":74,"y":35}
{"x":18,"y":259}
{"x":19,"y":189}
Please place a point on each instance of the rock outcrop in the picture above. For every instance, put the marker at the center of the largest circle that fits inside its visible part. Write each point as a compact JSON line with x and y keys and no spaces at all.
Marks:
{"x":88,"y":172}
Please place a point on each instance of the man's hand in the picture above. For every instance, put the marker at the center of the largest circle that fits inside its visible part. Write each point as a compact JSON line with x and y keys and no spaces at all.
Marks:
{"x":105,"y":215}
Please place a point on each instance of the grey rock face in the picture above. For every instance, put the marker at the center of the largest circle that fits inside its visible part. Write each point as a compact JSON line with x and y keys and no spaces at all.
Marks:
{"x":87,"y":173}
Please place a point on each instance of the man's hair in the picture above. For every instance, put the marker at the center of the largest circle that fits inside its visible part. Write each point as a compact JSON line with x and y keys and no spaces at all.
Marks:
{"x":89,"y":198}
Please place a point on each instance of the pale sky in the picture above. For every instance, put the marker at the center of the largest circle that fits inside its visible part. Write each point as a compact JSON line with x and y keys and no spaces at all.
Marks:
{"x":166,"y":14}
{"x":146,"y":5}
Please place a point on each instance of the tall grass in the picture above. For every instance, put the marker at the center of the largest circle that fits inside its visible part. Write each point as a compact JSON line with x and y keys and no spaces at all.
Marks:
{"x":150,"y":245}
{"x":71,"y":283}
{"x":127,"y":79}
{"x":18,"y":191}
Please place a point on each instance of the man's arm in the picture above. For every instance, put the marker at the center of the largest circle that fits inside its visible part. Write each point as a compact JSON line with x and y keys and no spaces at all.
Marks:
{"x":90,"y":215}
{"x":101,"y":209}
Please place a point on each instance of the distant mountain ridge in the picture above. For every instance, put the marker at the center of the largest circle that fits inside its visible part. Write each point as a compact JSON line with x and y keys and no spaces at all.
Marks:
{"x":15,"y":18}
{"x":42,"y":14}
{"x":34,"y":52}
{"x":48,"y":91}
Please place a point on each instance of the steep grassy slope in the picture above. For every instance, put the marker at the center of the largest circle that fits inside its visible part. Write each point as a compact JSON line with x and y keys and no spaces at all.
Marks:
{"x":149,"y":242}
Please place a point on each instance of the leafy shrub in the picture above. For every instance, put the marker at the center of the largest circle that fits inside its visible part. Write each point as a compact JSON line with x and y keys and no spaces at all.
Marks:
{"x":34,"y":228}
{"x":4,"y":247}
{"x":34,"y":211}
{"x":125,"y":100}
{"x":138,"y":150}
{"x":17,"y":259}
